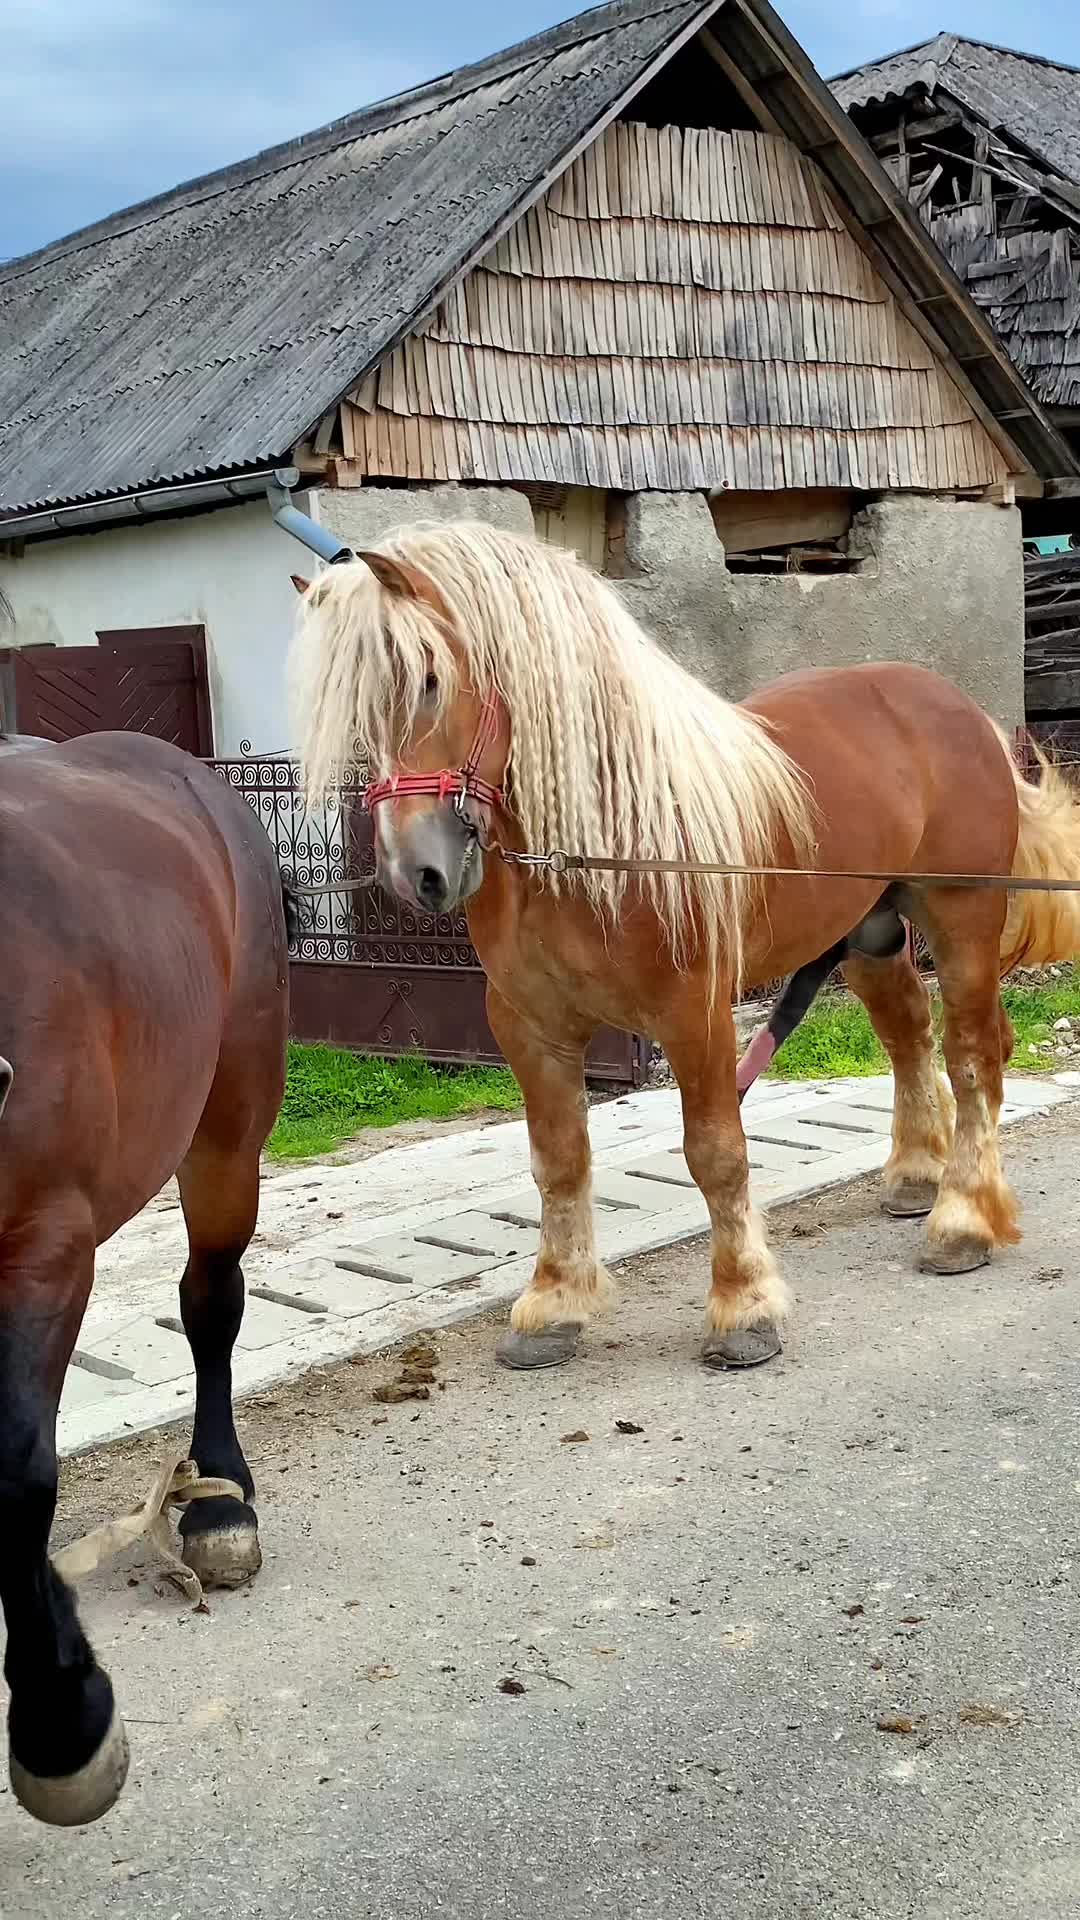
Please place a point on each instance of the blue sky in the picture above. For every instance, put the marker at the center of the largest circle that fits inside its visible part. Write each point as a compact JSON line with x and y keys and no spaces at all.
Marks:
{"x":103,"y":102}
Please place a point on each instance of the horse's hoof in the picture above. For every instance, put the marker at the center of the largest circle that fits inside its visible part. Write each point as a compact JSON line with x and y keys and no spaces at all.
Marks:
{"x":74,"y":1799}
{"x":910,"y":1199}
{"x":550,"y":1347}
{"x":221,"y":1542}
{"x":742,"y":1346}
{"x":960,"y":1256}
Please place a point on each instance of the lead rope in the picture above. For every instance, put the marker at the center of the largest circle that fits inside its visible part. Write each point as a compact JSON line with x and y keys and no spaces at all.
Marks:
{"x":557,"y":861}
{"x":176,"y":1483}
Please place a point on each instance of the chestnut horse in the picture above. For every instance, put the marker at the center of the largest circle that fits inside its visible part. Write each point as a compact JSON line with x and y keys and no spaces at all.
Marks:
{"x":506,"y":701}
{"x":143,"y":1020}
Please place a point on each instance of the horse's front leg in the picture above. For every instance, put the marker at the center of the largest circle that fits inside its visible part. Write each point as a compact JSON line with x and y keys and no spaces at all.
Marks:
{"x":568,"y":1287}
{"x":748,"y":1300}
{"x":68,"y":1751}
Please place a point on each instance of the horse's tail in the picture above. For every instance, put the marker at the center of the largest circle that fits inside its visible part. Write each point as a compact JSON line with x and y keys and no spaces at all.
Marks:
{"x":1044,"y":927}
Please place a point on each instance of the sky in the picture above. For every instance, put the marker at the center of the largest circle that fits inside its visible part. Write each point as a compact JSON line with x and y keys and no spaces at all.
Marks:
{"x":105,"y":102}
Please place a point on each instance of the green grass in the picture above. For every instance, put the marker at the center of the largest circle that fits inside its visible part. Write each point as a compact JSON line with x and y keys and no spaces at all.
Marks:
{"x":836,"y":1037}
{"x":332,"y":1095}
{"x":1033,"y":1010}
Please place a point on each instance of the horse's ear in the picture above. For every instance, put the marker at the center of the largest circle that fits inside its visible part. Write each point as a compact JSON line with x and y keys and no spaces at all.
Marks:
{"x":299,"y":582}
{"x":394,"y":575}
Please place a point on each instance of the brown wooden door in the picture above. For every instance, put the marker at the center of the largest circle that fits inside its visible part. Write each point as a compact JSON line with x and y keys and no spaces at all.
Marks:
{"x":136,"y":681}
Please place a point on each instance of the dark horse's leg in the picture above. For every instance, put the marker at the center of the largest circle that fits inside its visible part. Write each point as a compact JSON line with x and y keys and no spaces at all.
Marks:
{"x":219,"y":1188}
{"x":69,"y":1753}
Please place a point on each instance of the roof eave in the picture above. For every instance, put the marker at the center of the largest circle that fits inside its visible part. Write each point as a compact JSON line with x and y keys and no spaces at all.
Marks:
{"x":140,"y":504}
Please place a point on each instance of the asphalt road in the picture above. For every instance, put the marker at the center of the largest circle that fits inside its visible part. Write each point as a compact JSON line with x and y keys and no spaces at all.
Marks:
{"x":806,"y":1644}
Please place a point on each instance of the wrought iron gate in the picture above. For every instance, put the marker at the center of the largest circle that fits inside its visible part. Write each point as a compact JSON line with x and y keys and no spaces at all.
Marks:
{"x":367,"y":971}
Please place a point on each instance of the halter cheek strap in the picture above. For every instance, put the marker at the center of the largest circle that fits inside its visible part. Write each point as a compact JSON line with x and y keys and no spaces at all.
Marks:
{"x":459,"y":783}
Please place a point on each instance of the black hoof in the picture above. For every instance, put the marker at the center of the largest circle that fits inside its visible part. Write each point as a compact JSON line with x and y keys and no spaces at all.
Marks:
{"x":550,"y":1347}
{"x":911,"y":1199}
{"x":221,"y":1542}
{"x":75,"y":1799}
{"x":742,"y":1346}
{"x":960,"y":1256}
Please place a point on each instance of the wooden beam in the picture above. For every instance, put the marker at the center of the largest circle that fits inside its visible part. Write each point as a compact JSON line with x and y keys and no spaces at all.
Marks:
{"x":1018,"y":175}
{"x":926,"y":189}
{"x":1068,"y":489}
{"x":917,"y":130}
{"x":325,"y":432}
{"x":348,"y":430}
{"x":344,"y":473}
{"x":747,"y":93}
{"x":1020,"y":280}
{"x":982,"y":186}
{"x":305,"y":459}
{"x":1001,"y":494}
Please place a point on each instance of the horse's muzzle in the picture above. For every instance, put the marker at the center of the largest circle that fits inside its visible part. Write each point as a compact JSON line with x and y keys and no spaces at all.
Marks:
{"x":432,"y":861}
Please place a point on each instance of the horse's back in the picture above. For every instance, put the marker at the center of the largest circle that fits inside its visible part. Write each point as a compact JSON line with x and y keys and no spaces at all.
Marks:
{"x":908,"y":775}
{"x":904,"y":687}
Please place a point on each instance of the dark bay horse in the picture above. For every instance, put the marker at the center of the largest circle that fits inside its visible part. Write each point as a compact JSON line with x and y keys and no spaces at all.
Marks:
{"x":506,"y":701}
{"x":143,"y":1024}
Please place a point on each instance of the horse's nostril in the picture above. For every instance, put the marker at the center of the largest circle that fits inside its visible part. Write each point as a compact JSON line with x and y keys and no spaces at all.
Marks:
{"x":430,"y":886}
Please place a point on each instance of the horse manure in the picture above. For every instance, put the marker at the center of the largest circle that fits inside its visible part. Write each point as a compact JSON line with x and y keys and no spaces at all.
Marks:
{"x":897,"y":1723}
{"x":574,"y":1439}
{"x":397,"y":1390}
{"x":972,"y":1714}
{"x":628,"y":1426}
{"x":511,"y":1686}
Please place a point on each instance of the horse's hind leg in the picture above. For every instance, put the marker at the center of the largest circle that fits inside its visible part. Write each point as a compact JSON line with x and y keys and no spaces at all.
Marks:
{"x":898,"y":1003}
{"x":68,"y":1750}
{"x":219,"y":1189}
{"x":975,"y":1208}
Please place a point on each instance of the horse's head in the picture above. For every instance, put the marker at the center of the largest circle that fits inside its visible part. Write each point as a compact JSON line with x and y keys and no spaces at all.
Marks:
{"x":436,"y":743}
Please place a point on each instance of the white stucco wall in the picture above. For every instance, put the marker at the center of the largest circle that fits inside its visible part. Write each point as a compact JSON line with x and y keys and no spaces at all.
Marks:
{"x":226,"y":570}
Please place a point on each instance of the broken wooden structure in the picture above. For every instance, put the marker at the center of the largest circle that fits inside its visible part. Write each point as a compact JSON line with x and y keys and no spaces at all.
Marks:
{"x":985,"y":144}
{"x":1052,"y":650}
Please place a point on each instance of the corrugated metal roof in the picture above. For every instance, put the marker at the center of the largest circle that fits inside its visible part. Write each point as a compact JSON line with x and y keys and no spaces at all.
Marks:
{"x":1035,"y":100}
{"x":205,"y":330}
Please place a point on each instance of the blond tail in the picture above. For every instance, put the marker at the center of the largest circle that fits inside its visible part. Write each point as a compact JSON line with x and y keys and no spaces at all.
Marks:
{"x":1044,"y":927}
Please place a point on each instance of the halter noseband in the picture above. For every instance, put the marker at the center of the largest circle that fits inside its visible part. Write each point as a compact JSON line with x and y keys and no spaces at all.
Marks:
{"x":460,"y":783}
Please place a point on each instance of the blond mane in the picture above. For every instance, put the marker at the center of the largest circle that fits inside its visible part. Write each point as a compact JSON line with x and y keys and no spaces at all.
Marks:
{"x":614,"y":748}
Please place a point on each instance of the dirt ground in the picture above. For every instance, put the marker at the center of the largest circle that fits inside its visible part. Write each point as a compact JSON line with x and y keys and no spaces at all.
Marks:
{"x":631,"y":1640}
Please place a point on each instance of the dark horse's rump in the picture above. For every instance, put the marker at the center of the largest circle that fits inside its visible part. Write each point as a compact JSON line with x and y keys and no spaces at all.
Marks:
{"x":143,"y":1008}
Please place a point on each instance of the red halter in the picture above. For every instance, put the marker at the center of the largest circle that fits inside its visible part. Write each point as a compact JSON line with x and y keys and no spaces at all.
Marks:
{"x":461,"y":783}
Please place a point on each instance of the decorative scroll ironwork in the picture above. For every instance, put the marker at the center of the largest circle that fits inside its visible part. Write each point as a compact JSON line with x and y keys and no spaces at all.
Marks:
{"x":333,"y":843}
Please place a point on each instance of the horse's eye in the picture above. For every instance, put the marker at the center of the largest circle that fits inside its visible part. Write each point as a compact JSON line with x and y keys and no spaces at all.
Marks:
{"x":431,"y":686}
